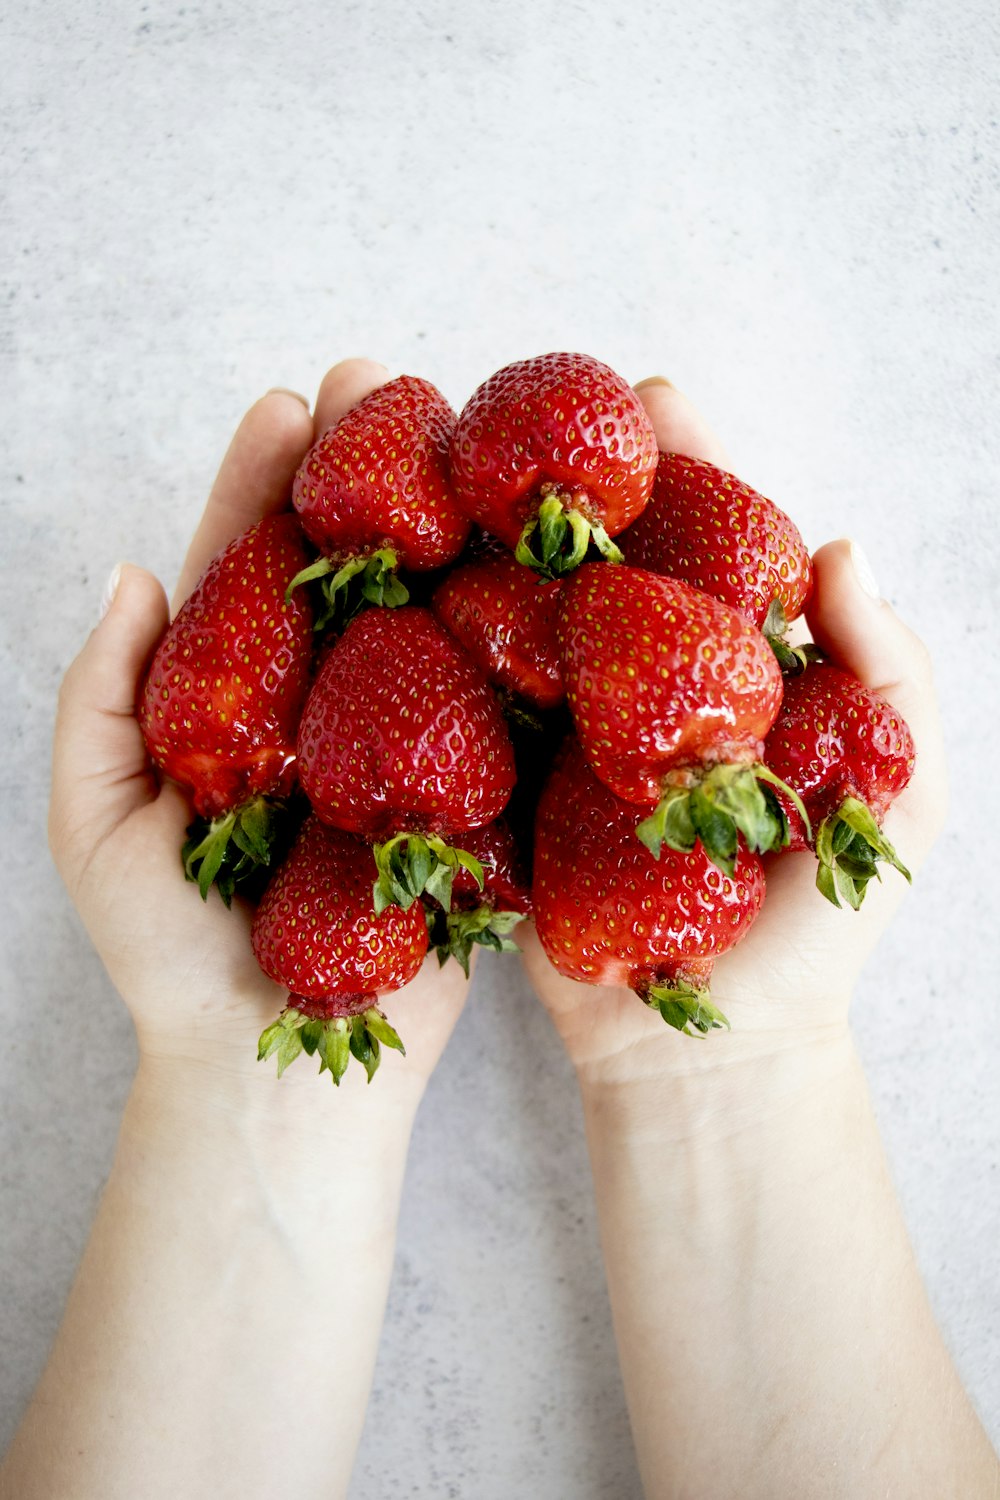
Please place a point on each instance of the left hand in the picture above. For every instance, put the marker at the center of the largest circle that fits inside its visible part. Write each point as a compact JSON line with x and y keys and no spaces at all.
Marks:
{"x":183,"y":967}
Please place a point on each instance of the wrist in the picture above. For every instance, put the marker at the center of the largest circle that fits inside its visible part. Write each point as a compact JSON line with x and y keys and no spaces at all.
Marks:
{"x":667,"y":1087}
{"x":306,"y":1159}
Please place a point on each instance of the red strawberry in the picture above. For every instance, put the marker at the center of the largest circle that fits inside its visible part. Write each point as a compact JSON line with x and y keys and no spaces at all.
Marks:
{"x":672,"y":693}
{"x":714,"y":532}
{"x":848,"y":754}
{"x":315,"y":932}
{"x":374,"y":495}
{"x":402,"y":741}
{"x":505,"y":617}
{"x":609,"y":913}
{"x":220,"y":706}
{"x":552,"y":453}
{"x":486,"y":916}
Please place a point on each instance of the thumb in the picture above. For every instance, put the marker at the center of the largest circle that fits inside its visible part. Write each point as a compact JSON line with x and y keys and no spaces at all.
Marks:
{"x":100,"y":770}
{"x":862,"y":633}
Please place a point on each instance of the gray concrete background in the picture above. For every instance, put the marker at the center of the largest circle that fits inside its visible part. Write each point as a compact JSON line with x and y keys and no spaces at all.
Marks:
{"x":792,"y":211}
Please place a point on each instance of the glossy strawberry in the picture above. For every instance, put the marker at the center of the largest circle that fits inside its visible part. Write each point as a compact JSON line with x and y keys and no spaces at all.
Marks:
{"x":220,"y":705}
{"x":672,"y":693}
{"x":709,"y":529}
{"x":402,"y":742}
{"x":609,"y":913}
{"x":374,"y":494}
{"x":848,"y":753}
{"x":315,"y":932}
{"x":489,"y":915}
{"x":505,"y":617}
{"x":552,"y":453}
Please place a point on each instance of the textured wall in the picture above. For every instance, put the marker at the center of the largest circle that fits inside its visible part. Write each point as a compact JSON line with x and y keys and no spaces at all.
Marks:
{"x":791,"y":211}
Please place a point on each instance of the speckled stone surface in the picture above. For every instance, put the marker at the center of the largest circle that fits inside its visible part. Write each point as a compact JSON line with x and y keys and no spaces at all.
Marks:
{"x":791,"y":211}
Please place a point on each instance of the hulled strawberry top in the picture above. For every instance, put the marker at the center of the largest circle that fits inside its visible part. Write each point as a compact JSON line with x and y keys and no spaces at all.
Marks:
{"x":562,"y":428}
{"x":711,"y":530}
{"x":660,"y":676}
{"x":379,"y":479}
{"x":402,"y":732}
{"x":220,"y":706}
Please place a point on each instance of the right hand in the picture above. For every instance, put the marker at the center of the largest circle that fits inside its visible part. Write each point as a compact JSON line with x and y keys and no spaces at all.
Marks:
{"x":792,"y":977}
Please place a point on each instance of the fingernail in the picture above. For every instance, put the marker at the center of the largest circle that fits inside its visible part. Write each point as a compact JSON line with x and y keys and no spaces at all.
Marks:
{"x":655,"y":380}
{"x":284,"y":390}
{"x":111,"y":589}
{"x":863,"y":571}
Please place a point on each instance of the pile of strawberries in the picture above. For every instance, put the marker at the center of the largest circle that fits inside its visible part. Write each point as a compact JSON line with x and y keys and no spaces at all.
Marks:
{"x":510,"y":662}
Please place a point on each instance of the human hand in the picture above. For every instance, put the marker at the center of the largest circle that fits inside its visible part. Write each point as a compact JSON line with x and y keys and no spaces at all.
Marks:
{"x":183,"y":967}
{"x":791,"y":979}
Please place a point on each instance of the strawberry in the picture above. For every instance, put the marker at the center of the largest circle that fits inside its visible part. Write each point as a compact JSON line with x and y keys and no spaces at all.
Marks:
{"x":609,"y":913}
{"x":505,"y":617}
{"x":314,"y":931}
{"x":486,"y":916}
{"x":552,"y":453}
{"x":402,"y":742}
{"x":672,"y":693}
{"x":714,"y":532}
{"x":220,"y":706}
{"x":373,"y":495}
{"x":848,"y":754}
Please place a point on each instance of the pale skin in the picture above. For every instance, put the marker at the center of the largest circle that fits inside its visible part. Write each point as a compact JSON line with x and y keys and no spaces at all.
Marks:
{"x":773,"y":1332}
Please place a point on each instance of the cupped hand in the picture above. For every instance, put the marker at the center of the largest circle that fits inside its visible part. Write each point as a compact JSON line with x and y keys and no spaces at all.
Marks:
{"x":184,"y":967}
{"x":792,"y":977}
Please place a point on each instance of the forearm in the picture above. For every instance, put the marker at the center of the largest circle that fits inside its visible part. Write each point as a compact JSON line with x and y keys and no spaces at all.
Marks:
{"x":221,"y":1335}
{"x":774,"y":1334}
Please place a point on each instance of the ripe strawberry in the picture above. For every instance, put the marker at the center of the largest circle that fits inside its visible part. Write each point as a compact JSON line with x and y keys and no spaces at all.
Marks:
{"x":848,"y":754}
{"x":373,"y":495}
{"x":315,"y":932}
{"x":220,"y":705}
{"x":486,"y":916}
{"x":402,"y":742}
{"x":505,"y":617}
{"x":672,"y":693}
{"x":714,"y":532}
{"x":609,"y":913}
{"x":552,"y":453}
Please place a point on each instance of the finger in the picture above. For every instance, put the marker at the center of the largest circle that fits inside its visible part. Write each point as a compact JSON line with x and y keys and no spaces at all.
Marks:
{"x":254,"y":481}
{"x":100,"y":771}
{"x":862,"y":633}
{"x":344,"y":386}
{"x":679,"y":427}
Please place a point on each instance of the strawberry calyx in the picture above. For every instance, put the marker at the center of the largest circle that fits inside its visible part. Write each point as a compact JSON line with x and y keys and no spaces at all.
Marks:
{"x":849,"y":846}
{"x":453,"y":934}
{"x":791,"y":659}
{"x":557,"y":538}
{"x":414,"y":864}
{"x":345,"y":587}
{"x":229,"y":850}
{"x":684,"y":1005}
{"x":357,"y":1032}
{"x":717,"y":806}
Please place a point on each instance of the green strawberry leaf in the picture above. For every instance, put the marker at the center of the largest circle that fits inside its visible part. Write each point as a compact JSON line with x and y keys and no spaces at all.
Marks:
{"x":684,"y":1006}
{"x":849,"y":846}
{"x":382,"y":1031}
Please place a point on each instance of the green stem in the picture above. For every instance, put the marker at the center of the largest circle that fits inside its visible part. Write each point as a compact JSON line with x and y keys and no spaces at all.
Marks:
{"x":849,"y":846}
{"x":726,"y":801}
{"x":336,"y":1040}
{"x":557,"y":538}
{"x":412,"y":864}
{"x":345,"y":587}
{"x":684,"y":1006}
